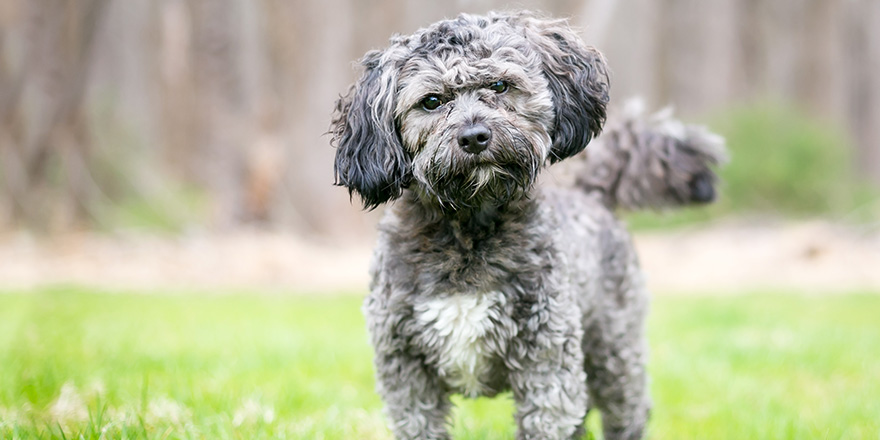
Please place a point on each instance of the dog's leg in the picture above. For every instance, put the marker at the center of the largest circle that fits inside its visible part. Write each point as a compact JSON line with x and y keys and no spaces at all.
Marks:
{"x":615,"y":357}
{"x":548,"y":380}
{"x":618,"y":385}
{"x":415,"y":400}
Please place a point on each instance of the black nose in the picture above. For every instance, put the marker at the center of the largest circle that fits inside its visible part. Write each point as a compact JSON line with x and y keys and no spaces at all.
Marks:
{"x":474,"y":138}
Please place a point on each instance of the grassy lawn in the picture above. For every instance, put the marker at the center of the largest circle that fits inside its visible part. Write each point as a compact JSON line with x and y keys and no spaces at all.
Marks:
{"x":75,"y":364}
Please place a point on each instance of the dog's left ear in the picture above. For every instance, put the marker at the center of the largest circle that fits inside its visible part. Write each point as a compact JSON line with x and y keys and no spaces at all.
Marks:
{"x":579,"y":82}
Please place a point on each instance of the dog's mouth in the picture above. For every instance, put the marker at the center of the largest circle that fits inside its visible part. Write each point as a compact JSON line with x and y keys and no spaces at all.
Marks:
{"x":482,"y":181}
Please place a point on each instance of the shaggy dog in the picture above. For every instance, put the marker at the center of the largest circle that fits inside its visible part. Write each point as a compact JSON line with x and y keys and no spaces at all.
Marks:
{"x":483,"y":280}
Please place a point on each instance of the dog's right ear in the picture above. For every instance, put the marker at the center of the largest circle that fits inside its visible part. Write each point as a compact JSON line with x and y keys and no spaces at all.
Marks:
{"x":370,"y":158}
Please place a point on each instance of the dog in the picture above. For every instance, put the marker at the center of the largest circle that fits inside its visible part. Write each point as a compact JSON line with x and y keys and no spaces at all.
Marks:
{"x":485,"y":280}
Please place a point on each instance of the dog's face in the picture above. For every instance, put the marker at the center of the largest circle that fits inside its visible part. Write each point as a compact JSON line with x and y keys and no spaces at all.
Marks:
{"x":467,"y":111}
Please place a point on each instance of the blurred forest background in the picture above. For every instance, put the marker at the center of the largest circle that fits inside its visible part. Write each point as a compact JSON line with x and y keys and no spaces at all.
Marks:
{"x":175,"y":114}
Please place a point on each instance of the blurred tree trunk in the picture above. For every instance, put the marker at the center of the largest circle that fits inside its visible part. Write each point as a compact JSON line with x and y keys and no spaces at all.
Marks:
{"x":816,"y":65}
{"x":178,"y":109}
{"x":323,"y":71}
{"x":47,"y":156}
{"x":751,"y":51}
{"x":863,"y":64}
{"x":220,"y":105}
{"x":679,"y":54}
{"x":11,"y":81}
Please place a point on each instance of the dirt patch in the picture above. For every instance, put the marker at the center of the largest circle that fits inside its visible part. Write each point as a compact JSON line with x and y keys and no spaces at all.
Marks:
{"x":815,"y":257}
{"x":723,"y":258}
{"x":241,"y":260}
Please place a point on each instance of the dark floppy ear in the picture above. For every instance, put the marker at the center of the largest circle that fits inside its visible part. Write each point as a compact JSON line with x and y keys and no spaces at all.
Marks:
{"x":579,"y":82}
{"x":370,"y":159}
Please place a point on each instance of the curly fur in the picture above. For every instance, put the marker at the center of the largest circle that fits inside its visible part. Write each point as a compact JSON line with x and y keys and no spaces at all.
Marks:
{"x":483,"y":280}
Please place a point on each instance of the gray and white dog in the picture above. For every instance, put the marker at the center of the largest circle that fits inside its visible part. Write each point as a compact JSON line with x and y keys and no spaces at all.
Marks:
{"x":483,"y":280}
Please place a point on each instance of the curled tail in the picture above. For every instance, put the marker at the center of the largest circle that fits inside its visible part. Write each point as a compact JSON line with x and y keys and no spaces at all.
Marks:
{"x":650,"y":162}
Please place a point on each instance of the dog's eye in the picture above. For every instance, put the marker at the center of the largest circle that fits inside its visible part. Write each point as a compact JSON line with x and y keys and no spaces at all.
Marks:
{"x":498,"y":86}
{"x":431,"y":102}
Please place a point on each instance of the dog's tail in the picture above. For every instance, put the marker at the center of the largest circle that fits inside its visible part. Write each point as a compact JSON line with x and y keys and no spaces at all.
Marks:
{"x":651,"y":161}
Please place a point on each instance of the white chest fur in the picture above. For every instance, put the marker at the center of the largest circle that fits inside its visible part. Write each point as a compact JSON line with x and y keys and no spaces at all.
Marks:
{"x":459,"y":324}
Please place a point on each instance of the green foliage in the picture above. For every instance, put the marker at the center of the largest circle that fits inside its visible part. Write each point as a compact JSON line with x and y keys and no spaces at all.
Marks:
{"x":186,"y":366}
{"x":169,"y":210}
{"x":782,"y":162}
{"x":137,"y":191}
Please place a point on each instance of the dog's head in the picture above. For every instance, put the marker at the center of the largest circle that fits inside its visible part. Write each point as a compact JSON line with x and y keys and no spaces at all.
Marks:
{"x":467,"y":111}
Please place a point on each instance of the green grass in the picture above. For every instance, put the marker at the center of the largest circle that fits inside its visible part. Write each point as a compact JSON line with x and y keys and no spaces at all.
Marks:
{"x":164,"y":366}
